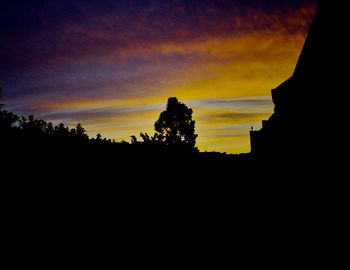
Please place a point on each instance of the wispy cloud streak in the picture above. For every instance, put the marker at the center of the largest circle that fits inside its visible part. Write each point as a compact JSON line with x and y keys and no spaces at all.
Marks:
{"x":103,"y":61}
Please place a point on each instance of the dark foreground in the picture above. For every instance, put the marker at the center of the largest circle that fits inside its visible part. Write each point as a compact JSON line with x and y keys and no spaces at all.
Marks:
{"x":99,"y":205}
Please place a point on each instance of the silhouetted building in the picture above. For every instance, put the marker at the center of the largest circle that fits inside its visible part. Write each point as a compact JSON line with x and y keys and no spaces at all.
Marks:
{"x":304,"y":109}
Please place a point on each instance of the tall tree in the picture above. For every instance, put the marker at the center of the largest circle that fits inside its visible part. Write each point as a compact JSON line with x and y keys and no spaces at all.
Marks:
{"x":80,"y":132}
{"x":176,"y":123}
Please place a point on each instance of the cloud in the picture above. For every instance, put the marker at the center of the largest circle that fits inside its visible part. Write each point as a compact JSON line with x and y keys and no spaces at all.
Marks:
{"x":65,"y":32}
{"x":107,"y":62}
{"x":237,"y":102}
{"x":97,"y":114}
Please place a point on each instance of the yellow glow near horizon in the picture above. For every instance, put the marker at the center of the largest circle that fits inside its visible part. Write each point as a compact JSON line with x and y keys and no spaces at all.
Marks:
{"x":247,"y":64}
{"x":266,"y":66}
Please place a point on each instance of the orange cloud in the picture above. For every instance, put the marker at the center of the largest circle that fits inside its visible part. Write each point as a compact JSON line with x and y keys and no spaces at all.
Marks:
{"x":241,"y":55}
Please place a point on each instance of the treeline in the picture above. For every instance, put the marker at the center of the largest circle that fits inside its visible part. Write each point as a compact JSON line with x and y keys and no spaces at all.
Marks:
{"x":36,"y":148}
{"x":174,"y":131}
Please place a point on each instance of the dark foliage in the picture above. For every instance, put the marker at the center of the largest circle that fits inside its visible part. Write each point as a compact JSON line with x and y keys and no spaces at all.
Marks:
{"x":176,"y":124}
{"x":173,"y":143}
{"x":34,"y":148}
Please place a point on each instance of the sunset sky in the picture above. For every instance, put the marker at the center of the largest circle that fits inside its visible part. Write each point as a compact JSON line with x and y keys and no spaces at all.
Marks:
{"x":111,"y":65}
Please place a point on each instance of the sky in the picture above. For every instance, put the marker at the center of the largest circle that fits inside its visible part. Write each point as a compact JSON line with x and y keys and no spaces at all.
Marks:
{"x":112,"y":65}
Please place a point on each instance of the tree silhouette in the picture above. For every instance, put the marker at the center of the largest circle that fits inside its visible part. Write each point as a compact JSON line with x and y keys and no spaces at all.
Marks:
{"x":80,"y":132}
{"x":133,"y":139}
{"x":32,"y":127}
{"x":7,"y":119}
{"x":98,"y":137}
{"x":146,"y":138}
{"x":176,"y":124}
{"x":61,"y":131}
{"x":174,"y":127}
{"x":50,"y":129}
